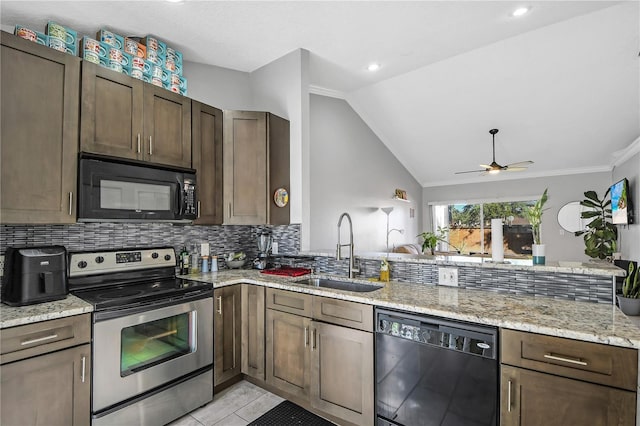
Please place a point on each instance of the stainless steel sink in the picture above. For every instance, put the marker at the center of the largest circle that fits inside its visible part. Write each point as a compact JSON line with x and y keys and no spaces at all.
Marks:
{"x":339,"y":285}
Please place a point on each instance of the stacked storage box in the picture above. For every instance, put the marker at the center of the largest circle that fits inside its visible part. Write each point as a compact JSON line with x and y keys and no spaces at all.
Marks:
{"x":56,"y":36}
{"x":166,"y":65}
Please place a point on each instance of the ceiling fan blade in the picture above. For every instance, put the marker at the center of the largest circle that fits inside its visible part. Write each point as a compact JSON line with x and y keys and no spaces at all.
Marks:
{"x":515,"y":169}
{"x":470,"y":171}
{"x":520,"y":164}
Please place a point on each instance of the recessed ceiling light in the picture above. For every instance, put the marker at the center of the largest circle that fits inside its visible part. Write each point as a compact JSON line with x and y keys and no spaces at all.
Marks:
{"x":175,"y":1}
{"x":373,"y":67}
{"x":521,"y":11}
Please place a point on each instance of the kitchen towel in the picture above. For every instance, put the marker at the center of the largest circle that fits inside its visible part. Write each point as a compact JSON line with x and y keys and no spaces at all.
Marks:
{"x":287,"y":271}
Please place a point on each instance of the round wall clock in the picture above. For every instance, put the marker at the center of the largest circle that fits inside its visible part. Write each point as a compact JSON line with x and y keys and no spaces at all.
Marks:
{"x":281,"y":197}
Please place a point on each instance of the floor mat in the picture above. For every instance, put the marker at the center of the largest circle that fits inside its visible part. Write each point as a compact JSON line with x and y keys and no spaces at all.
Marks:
{"x":289,"y":414}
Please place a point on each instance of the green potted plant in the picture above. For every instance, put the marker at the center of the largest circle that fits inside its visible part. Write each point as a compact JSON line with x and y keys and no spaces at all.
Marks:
{"x":430,"y":240}
{"x":534,"y":216}
{"x":629,"y":300}
{"x":601,"y":235}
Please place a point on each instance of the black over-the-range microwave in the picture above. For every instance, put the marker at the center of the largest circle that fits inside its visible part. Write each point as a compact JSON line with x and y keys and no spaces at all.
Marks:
{"x":113,"y":189}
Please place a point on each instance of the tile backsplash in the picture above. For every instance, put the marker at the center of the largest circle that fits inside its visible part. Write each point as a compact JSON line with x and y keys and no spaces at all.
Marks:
{"x":95,"y":236}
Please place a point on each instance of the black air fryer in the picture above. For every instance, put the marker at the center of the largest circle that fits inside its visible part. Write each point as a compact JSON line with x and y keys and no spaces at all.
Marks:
{"x":34,"y":275}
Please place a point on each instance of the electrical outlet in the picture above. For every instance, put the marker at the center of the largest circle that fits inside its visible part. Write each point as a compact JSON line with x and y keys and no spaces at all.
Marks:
{"x":274,"y":247}
{"x":448,"y":276}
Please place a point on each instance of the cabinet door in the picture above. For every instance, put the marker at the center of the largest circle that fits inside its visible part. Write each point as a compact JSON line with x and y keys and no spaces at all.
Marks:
{"x":111,"y":122}
{"x":167,"y":127}
{"x":245,"y":168}
{"x":39,"y":127}
{"x":342,"y":372}
{"x":533,"y":398}
{"x":206,"y":135}
{"x":52,"y":389}
{"x":226,"y":333}
{"x":279,"y":168}
{"x":253,"y":298}
{"x":288,"y":356}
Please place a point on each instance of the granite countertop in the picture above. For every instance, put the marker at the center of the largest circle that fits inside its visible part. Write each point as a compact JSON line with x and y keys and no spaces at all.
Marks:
{"x":11,"y":316}
{"x":583,"y":268}
{"x":591,"y":322}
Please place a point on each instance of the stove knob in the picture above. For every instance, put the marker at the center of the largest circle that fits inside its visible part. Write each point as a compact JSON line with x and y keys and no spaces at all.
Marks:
{"x":154,"y":255}
{"x":167,"y":257}
{"x":82,"y":264}
{"x":99,"y":259}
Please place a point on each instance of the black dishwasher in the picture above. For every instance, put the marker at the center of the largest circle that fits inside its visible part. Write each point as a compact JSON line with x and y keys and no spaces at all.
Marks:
{"x":435,"y":371}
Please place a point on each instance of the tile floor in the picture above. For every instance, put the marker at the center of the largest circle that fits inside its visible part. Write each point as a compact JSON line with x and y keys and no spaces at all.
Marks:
{"x":237,"y":405}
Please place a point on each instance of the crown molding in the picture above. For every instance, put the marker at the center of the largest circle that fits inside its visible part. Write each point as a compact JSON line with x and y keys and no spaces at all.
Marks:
{"x":323,"y":91}
{"x":626,"y":153}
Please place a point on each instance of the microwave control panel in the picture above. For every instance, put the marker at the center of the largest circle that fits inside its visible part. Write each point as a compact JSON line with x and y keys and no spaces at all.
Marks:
{"x":189,"y":192}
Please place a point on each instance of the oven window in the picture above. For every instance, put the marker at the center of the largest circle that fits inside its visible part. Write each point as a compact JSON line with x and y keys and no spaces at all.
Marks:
{"x":123,"y":195}
{"x":151,"y":343}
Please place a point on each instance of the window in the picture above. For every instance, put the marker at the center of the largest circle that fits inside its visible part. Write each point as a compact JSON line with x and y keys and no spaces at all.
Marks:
{"x":467,"y":226}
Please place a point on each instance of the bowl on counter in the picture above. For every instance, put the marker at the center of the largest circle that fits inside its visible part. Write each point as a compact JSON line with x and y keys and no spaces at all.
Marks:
{"x":236,"y":264}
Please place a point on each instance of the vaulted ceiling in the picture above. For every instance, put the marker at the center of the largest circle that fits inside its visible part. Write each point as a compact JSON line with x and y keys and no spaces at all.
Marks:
{"x":562,"y":83}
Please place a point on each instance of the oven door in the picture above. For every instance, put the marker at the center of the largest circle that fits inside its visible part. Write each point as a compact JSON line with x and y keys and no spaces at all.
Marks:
{"x":136,"y":353}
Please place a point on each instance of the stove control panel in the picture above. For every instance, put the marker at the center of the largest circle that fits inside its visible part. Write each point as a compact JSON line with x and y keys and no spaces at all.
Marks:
{"x":94,"y":263}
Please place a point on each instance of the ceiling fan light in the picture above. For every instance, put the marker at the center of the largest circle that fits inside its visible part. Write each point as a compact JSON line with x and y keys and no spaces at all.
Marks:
{"x":494,"y":171}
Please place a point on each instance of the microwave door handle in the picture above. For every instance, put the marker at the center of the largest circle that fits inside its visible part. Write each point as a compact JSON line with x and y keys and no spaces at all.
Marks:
{"x":180,"y":200}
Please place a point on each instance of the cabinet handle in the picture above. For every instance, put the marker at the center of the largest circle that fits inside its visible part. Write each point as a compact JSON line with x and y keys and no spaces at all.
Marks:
{"x":38,"y":340}
{"x":306,"y":337}
{"x":138,"y":143}
{"x":219,"y":305}
{"x":84,"y":366}
{"x":509,"y":396}
{"x":150,"y":145}
{"x":314,"y":346}
{"x":198,"y":209}
{"x":229,"y":210}
{"x":71,"y":204}
{"x":563,"y":358}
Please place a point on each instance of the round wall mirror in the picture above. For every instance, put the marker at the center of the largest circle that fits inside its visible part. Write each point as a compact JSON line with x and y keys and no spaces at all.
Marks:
{"x":569,"y":217}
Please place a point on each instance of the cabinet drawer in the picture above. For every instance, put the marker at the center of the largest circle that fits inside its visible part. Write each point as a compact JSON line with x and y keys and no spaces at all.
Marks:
{"x":591,"y":362}
{"x":289,"y":301}
{"x":341,"y":312}
{"x":34,"y":339}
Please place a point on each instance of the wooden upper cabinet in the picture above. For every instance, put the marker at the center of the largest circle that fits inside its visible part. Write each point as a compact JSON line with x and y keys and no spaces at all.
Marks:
{"x":167,"y":127}
{"x":206,"y":134}
{"x":111,"y":113}
{"x":125,"y":117}
{"x":39,"y":128}
{"x":245,"y":168}
{"x":256,"y":163}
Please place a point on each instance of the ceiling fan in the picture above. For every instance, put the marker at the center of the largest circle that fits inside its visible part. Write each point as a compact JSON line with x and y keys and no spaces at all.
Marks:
{"x":494,"y":167}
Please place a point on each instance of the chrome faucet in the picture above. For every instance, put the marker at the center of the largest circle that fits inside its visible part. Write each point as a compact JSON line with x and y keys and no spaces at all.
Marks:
{"x":352,"y":262}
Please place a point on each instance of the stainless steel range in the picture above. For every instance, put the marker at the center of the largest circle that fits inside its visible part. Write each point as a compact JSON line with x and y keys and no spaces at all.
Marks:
{"x":152,"y":335}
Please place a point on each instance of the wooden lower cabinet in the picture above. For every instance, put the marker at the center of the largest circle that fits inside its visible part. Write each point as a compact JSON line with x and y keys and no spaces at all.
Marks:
{"x":534,"y":398}
{"x":226,"y":333}
{"x":253,"y":331}
{"x":342,"y":372}
{"x":288,"y":355}
{"x":47,"y":390}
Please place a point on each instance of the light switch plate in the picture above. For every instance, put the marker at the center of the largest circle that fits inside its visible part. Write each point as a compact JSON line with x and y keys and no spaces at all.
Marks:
{"x":448,"y":276}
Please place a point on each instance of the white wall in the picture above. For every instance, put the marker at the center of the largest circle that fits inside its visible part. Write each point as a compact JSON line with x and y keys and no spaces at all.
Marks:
{"x":220,"y":87}
{"x":560,"y":245}
{"x":353,"y":171}
{"x":629,"y":236}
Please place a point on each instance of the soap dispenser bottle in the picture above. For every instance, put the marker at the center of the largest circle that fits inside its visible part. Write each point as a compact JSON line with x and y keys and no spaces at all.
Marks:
{"x":384,"y":270}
